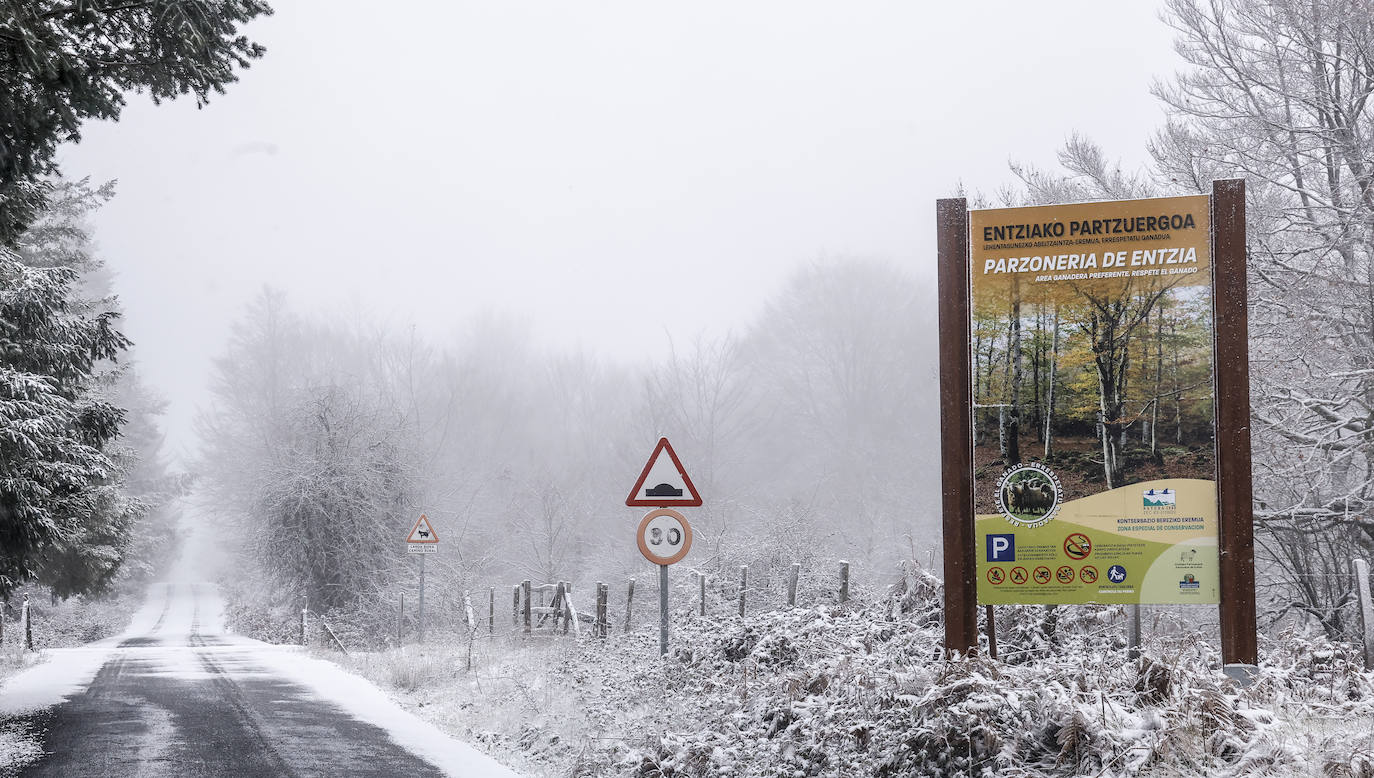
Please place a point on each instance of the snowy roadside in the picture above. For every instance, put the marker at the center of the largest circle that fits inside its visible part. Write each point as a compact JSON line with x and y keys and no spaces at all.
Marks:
{"x":34,"y":681}
{"x":843,"y":691}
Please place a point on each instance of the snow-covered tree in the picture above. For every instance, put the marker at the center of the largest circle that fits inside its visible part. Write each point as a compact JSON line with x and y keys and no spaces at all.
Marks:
{"x":63,"y":62}
{"x":303,"y":453}
{"x":64,"y":310}
{"x":1278,"y":92}
{"x":58,"y":501}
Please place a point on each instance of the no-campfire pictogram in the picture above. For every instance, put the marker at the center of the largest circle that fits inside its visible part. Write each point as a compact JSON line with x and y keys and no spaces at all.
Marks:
{"x":995,"y":576}
{"x":1078,"y":546}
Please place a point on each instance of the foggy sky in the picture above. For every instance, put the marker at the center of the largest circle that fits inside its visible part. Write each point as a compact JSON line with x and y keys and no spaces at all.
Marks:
{"x":608,"y":172}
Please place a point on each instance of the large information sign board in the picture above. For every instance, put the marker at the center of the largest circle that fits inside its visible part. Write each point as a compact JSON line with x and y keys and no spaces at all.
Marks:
{"x":1109,"y":307}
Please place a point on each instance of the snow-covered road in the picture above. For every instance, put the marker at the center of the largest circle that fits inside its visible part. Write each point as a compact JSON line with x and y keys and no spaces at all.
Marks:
{"x":175,"y":695}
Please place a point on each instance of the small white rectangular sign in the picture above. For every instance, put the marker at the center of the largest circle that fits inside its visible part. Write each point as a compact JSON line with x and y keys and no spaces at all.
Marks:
{"x":417,"y":548}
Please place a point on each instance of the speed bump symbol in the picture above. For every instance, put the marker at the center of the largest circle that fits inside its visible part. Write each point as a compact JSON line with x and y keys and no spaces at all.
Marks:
{"x":1042,"y":575}
{"x":996,"y":576}
{"x":1018,"y":575}
{"x":1064,"y":574}
{"x":1088,"y":574}
{"x":1078,"y":546}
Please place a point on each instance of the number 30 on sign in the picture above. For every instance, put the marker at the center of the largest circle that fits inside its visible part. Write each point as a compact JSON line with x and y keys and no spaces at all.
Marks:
{"x":664,"y":536}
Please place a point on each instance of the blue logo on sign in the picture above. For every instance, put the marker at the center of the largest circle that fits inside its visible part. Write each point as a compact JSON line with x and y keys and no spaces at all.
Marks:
{"x":1116,"y":574}
{"x":1002,"y":548}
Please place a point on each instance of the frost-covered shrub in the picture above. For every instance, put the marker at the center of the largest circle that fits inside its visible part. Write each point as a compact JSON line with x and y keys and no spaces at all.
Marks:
{"x":75,"y":620}
{"x":775,"y":651}
{"x":829,"y":691}
{"x":738,"y":643}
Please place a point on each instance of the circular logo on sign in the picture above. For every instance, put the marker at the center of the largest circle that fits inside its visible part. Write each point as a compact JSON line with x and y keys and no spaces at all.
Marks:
{"x":996,"y":576}
{"x":1028,"y":495}
{"x":1064,"y":574}
{"x":1088,"y":574}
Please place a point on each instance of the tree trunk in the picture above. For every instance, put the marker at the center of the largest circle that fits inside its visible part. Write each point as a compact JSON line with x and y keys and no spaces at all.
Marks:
{"x":1049,"y":390}
{"x":977,"y":384}
{"x":1159,"y":383}
{"x":1178,"y":388}
{"x":1011,"y":425}
{"x":1037,"y":356}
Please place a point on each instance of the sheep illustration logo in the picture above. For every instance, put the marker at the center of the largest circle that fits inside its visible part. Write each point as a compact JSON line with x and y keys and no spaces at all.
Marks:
{"x":1028,"y":495}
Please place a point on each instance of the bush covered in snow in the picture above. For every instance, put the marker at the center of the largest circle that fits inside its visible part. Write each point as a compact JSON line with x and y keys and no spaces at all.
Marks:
{"x":863,"y":690}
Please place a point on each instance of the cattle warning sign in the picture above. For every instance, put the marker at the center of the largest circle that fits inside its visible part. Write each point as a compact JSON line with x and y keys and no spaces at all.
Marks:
{"x":422,"y":538}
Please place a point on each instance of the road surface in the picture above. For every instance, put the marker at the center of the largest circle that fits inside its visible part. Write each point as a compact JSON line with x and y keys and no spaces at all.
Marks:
{"x":175,"y":695}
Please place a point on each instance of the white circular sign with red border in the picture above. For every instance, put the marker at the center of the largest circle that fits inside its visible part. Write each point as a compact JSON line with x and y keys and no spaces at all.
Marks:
{"x":664,"y":536}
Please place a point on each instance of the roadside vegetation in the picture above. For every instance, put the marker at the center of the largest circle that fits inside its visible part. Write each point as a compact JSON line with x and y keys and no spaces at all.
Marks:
{"x":830,"y":689}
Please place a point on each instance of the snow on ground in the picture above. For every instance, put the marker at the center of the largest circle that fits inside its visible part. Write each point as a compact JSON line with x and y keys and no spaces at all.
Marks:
{"x":52,"y":676}
{"x":167,"y":627}
{"x":367,"y":703}
{"x":59,"y":673}
{"x":861,"y":690}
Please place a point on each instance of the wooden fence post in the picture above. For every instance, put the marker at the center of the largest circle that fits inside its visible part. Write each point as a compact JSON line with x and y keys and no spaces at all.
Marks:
{"x":527,"y":585}
{"x":743,"y":585}
{"x":992,"y":635}
{"x":491,"y":612}
{"x":629,"y":603}
{"x":1133,"y":631}
{"x":701,"y":594}
{"x":1362,"y":599}
{"x":602,"y":628}
{"x":844,"y":581}
{"x":305,"y":626}
{"x":568,"y":612}
{"x":401,"y":620}
{"x":557,"y":605}
{"x":792,"y":584}
{"x":27,"y":619}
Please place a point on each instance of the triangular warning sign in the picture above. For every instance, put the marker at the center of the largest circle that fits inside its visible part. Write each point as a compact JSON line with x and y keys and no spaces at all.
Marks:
{"x":422,"y":532}
{"x":664,"y":483}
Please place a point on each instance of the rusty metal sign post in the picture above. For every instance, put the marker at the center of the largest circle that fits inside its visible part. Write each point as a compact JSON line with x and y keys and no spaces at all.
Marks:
{"x":1137,"y":253}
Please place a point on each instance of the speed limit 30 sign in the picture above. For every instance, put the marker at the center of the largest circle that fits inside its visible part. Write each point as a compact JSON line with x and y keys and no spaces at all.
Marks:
{"x":664,"y":536}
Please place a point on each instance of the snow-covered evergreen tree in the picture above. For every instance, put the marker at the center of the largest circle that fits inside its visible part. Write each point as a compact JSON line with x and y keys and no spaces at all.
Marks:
{"x":68,"y":517}
{"x":62,"y":63}
{"x":54,"y":477}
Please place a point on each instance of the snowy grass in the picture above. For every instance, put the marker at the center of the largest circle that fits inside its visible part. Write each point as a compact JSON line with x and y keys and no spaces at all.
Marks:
{"x":76,"y":620}
{"x":862,"y":690}
{"x":13,"y":657}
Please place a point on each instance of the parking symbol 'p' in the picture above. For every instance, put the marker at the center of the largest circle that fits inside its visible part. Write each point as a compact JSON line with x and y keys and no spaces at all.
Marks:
{"x":1002,"y":548}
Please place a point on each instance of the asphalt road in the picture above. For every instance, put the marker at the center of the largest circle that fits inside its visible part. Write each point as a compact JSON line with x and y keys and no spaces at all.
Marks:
{"x":181,"y":699}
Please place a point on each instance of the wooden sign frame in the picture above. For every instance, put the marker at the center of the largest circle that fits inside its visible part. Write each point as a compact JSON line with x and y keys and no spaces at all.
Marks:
{"x":1232,"y":414}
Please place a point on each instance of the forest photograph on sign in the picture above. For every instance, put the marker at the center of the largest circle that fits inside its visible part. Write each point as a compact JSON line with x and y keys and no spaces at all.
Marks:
{"x":1093,"y":451}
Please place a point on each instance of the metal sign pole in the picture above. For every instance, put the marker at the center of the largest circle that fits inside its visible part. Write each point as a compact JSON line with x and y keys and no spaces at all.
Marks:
{"x":663,"y":610}
{"x":422,"y":597}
